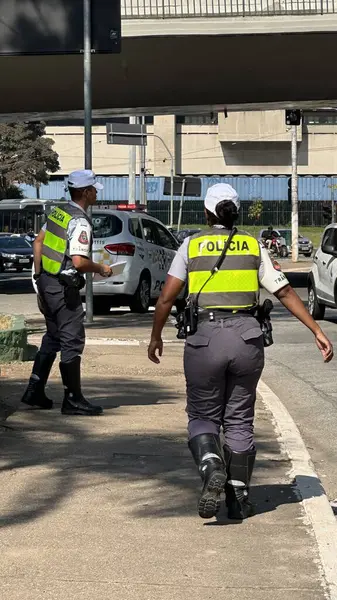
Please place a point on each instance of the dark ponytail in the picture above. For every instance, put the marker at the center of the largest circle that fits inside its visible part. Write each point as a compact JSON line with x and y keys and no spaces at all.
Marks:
{"x":226,"y":215}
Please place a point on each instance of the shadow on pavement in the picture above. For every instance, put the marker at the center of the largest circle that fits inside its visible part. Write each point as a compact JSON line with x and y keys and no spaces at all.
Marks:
{"x":48,"y":457}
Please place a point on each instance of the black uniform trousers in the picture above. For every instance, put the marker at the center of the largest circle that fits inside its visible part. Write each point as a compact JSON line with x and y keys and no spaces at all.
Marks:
{"x":64,"y":317}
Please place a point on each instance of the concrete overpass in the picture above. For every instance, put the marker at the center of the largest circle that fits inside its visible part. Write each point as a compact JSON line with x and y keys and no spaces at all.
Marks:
{"x":222,"y":55}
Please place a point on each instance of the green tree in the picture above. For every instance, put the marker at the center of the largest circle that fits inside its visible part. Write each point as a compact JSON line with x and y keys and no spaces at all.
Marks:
{"x":255,"y":211}
{"x":26,"y":156}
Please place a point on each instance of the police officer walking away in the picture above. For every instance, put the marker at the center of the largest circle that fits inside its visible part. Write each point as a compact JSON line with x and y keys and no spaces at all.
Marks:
{"x":224,"y":357}
{"x":61,"y":254}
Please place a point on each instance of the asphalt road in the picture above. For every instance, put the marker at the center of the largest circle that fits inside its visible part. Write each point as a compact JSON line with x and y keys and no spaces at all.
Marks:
{"x":294,"y":369}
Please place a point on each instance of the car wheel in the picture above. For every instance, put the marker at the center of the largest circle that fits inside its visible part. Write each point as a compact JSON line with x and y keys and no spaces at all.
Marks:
{"x":316,"y":309}
{"x":140,"y":302}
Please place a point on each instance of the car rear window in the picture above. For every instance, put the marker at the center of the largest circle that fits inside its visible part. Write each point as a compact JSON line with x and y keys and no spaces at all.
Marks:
{"x":106,"y":225}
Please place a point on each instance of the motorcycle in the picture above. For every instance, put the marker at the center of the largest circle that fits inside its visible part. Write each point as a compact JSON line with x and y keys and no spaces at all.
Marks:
{"x":278,"y":247}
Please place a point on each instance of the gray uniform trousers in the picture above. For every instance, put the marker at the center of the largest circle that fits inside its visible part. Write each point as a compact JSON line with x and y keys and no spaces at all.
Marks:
{"x":223,"y":362}
{"x":64,"y":319}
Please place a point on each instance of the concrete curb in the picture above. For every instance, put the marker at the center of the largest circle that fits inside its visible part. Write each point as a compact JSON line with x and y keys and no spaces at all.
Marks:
{"x":314,"y":499}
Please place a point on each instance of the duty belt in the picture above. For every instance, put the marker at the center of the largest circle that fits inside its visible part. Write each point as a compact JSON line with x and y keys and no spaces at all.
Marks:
{"x":220,"y":314}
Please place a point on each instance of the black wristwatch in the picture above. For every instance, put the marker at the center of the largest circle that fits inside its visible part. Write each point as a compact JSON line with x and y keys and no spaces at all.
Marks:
{"x":36,"y":276}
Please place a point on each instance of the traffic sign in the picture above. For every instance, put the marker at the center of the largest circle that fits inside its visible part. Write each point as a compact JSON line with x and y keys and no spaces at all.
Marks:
{"x":129,"y":135}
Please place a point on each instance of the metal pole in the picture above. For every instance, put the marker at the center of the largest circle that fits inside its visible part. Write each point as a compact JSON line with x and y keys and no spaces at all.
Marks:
{"x":88,"y":133}
{"x":332,"y":205}
{"x":142,"y":160}
{"x":294,"y":195}
{"x":181,"y":204}
{"x":132,"y":168}
{"x":171,"y":172}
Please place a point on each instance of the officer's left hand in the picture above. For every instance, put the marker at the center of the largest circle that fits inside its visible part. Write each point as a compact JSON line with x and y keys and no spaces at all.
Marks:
{"x":155,"y":345}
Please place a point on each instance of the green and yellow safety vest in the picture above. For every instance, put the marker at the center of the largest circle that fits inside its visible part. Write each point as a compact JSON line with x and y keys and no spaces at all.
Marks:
{"x":56,"y":237}
{"x":236,"y":284}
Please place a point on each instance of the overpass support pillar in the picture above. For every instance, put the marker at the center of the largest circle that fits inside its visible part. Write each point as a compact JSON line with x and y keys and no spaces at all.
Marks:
{"x":165,"y":127}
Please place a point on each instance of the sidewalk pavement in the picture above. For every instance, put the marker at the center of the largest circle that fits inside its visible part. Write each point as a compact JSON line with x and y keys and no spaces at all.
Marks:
{"x":105,"y":507}
{"x":301,"y":266}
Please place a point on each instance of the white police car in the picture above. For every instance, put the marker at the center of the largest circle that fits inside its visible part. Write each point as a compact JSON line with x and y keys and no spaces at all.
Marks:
{"x":147,"y":248}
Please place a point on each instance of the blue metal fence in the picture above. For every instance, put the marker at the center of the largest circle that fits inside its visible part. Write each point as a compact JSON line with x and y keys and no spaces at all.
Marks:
{"x":268,"y":188}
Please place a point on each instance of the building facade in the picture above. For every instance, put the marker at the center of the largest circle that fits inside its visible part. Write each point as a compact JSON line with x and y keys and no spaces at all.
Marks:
{"x":242,"y":143}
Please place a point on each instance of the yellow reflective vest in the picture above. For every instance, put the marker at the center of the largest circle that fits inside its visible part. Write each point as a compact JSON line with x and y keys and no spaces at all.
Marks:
{"x":56,"y":237}
{"x":236,"y":284}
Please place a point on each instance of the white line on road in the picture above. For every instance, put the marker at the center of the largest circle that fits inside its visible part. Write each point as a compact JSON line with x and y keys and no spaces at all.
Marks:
{"x":314,"y":499}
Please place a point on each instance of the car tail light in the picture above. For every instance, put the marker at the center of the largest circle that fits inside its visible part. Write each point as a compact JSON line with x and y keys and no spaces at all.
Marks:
{"x":121,"y":249}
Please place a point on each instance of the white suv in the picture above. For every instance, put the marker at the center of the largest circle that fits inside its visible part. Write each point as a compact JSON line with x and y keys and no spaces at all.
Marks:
{"x":146,"y":247}
{"x":322,"y":280}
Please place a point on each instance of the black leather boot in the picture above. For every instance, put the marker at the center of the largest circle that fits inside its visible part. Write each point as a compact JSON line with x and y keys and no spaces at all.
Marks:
{"x":206,"y":451}
{"x":35,"y":394}
{"x":239,"y":466}
{"x":74,"y":402}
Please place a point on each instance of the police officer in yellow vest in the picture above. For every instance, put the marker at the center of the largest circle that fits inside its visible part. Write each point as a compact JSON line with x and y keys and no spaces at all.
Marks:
{"x":61,"y":255}
{"x":224,"y":358}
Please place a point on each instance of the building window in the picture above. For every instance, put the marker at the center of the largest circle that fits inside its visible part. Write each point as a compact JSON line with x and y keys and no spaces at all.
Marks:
{"x":320,"y":117}
{"x":206,"y":119}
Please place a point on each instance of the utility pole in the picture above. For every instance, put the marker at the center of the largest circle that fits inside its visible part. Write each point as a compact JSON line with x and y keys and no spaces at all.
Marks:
{"x":132,"y":168}
{"x":142,"y":162}
{"x":88,"y":134}
{"x":294,"y":195}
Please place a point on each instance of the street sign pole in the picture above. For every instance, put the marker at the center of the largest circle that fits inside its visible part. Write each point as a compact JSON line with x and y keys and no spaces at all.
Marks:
{"x":88,"y":133}
{"x":132,"y":168}
{"x":136,"y":135}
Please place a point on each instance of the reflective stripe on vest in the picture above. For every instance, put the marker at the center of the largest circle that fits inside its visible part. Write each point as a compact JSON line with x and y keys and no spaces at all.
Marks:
{"x":236,"y":284}
{"x":56,"y":238}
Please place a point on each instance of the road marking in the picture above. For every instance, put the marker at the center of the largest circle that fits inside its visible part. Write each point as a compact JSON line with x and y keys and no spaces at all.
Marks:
{"x":35,"y":339}
{"x":314,"y":499}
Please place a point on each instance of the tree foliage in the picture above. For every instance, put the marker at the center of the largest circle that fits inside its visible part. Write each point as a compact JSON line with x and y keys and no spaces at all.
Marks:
{"x":255,"y":210}
{"x":25,"y":156}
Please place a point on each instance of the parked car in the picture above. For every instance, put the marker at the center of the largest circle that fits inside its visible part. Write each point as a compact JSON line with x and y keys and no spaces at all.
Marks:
{"x":15,"y":253}
{"x":322,"y":279}
{"x":184,"y":233}
{"x":305,"y":246}
{"x":147,"y":248}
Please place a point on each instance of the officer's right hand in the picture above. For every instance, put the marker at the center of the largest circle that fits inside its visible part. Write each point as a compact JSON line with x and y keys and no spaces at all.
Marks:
{"x":325,"y":346}
{"x":105,"y":271}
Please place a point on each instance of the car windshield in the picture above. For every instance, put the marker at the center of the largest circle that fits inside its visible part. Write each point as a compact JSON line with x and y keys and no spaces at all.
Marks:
{"x":14,"y":243}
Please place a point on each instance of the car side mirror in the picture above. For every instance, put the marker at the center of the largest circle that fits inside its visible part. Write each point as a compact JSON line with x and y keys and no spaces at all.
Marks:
{"x":329,"y":249}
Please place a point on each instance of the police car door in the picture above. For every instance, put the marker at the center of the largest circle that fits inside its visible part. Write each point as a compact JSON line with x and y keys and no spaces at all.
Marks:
{"x":168,"y":246}
{"x":154,"y":255}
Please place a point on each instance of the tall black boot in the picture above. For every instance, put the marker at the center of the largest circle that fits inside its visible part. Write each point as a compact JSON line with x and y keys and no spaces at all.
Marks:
{"x":74,"y":402}
{"x":206,"y":451}
{"x":239,"y":466}
{"x":35,"y":394}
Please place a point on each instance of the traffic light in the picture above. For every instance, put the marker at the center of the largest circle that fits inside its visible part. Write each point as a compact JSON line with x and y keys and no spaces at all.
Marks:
{"x":327,"y":212}
{"x":293,"y":117}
